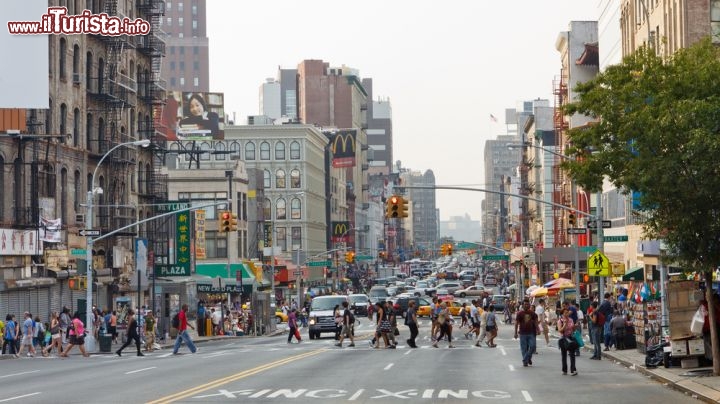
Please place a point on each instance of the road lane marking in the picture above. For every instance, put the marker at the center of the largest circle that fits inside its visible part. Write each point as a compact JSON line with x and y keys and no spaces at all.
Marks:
{"x":407,"y":353}
{"x":512,"y":368}
{"x":19,"y":397}
{"x":502,"y":350}
{"x":241,"y":375}
{"x":165,"y":355}
{"x":19,"y":374}
{"x":140,"y":370}
{"x":356,"y":395}
{"x":388,"y":366}
{"x":526,"y":395}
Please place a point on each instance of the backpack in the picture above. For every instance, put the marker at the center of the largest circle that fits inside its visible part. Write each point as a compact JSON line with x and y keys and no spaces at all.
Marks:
{"x":351,"y":317}
{"x":176,"y":320}
{"x":600,"y":317}
{"x":408,"y":317}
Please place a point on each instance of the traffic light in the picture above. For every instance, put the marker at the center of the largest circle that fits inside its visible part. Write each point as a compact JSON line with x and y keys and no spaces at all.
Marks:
{"x":74,"y":283}
{"x":571,"y":219}
{"x":403,"y":211}
{"x":225,"y":221}
{"x":233,"y":222}
{"x":444,"y":249}
{"x":449,"y":249}
{"x":393,"y":207}
{"x":349,"y":257}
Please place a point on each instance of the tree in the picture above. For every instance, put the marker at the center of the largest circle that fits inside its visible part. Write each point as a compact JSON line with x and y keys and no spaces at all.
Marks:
{"x":658,"y":133}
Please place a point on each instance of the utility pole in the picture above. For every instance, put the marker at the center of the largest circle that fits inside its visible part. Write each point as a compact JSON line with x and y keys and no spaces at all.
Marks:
{"x":229,"y":175}
{"x":600,"y":238}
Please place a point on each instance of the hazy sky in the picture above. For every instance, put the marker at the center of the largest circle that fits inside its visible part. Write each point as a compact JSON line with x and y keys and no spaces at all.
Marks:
{"x":445,"y":66}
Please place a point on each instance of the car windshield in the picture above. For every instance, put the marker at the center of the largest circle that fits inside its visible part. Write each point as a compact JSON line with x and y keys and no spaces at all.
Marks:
{"x":326,"y":303}
{"x":379,"y":293}
{"x":358,"y":299}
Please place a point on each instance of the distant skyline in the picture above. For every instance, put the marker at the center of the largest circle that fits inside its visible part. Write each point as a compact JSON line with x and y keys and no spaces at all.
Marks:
{"x":446,"y":67}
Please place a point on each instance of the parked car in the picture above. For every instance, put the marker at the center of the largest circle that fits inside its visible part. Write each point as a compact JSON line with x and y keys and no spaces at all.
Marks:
{"x":473,"y":290}
{"x":423,"y":288}
{"x":451,"y":287}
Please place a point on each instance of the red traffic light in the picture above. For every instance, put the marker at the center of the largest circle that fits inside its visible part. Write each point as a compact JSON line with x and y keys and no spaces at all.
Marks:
{"x":394,"y":200}
{"x":225,"y":215}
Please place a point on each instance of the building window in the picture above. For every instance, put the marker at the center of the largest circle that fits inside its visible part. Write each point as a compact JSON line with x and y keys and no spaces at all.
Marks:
{"x":173,"y":81}
{"x":295,"y":209}
{"x":295,"y":178}
{"x":182,"y":50}
{"x":169,"y":22}
{"x":180,"y":7}
{"x":266,"y":179}
{"x":295,"y":150}
{"x":280,"y":178}
{"x":194,"y":24}
{"x":296,"y":233}
{"x":78,"y":191}
{"x":194,"y":9}
{"x":182,"y":66}
{"x":62,"y":53}
{"x":215,"y":245}
{"x":280,"y":210}
{"x":196,"y":50}
{"x":76,"y":61}
{"x":63,"y":194}
{"x":181,"y":22}
{"x":235,"y":148}
{"x":172,"y":65}
{"x":169,"y":6}
{"x":220,"y":147}
{"x":196,"y":65}
{"x":264,"y":151}
{"x":88,"y":131}
{"x":290,"y":104}
{"x":250,"y":151}
{"x":196,"y":82}
{"x":63,"y":119}
{"x":267,"y":209}
{"x":279,"y":151}
{"x":182,"y":81}
{"x":172,"y":50}
{"x":281,"y":234}
{"x":76,"y":127}
{"x":203,"y":198}
{"x":204,"y":146}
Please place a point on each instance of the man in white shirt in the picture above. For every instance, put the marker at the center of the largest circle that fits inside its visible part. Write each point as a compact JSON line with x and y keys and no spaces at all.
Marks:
{"x":542,"y":320}
{"x":216,"y":317}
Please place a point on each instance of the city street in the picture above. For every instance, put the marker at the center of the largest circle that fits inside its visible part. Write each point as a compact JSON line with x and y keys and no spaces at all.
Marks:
{"x":267,"y":369}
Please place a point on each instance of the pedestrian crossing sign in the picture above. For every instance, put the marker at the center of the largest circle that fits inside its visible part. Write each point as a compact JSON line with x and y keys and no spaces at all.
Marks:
{"x":598,"y":264}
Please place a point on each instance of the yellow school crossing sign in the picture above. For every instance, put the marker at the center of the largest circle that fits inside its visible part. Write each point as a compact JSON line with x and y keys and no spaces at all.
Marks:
{"x":598,"y":264}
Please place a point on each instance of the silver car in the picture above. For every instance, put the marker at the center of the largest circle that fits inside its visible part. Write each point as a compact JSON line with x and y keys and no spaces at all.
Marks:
{"x":474,"y":290}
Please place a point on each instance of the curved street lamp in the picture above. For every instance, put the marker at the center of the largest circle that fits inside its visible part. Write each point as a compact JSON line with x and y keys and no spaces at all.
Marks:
{"x":89,"y":323}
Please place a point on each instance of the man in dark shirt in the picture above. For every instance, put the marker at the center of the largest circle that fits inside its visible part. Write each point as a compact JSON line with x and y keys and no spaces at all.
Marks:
{"x":526,"y":323}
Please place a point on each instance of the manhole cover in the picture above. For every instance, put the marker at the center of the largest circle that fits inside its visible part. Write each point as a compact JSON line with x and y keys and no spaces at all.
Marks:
{"x":698,"y":373}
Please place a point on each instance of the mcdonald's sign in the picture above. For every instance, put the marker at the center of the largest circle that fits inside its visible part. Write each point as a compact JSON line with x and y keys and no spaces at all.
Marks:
{"x":340,"y":232}
{"x":343,"y":148}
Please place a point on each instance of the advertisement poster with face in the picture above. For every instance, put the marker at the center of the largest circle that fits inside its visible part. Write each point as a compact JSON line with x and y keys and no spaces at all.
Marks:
{"x":194,"y":116}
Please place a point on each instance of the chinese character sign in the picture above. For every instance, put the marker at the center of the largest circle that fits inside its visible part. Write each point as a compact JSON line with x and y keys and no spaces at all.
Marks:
{"x":200,"y":234}
{"x":182,"y":239}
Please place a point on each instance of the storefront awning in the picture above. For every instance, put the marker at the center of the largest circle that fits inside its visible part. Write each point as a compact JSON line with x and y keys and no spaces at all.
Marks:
{"x":634,"y":274}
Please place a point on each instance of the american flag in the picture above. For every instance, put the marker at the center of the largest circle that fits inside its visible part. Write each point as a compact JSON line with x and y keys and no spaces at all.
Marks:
{"x":492,"y":118}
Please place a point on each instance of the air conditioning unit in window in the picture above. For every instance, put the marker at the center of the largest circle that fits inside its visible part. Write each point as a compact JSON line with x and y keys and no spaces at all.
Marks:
{"x":76,"y":78}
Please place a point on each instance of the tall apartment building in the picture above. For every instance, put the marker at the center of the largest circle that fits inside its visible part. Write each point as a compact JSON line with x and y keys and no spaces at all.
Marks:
{"x":500,"y":163}
{"x":425,"y":231}
{"x":104,"y":91}
{"x":379,"y":131}
{"x":186,"y":66}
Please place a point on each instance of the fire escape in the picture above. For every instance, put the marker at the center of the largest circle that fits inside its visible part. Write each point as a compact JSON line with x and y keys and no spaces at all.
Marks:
{"x":153,"y":185}
{"x":561,"y":194}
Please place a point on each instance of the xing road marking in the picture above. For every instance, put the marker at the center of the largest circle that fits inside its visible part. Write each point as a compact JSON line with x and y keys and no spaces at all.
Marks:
{"x":407,"y":353}
{"x":19,"y":374}
{"x":526,"y":395}
{"x":356,"y":395}
{"x":388,"y":366}
{"x":241,"y":375}
{"x":502,"y":350}
{"x":512,"y":368}
{"x":19,"y":397}
{"x":140,"y":370}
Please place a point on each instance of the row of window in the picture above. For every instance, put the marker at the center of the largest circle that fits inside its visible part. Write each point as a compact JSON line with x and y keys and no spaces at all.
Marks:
{"x":181,"y":7}
{"x":181,"y":64}
{"x":251,"y":150}
{"x":280,"y":179}
{"x":180,"y":22}
{"x":281,"y":209}
{"x":174,"y":81}
{"x":181,"y":50}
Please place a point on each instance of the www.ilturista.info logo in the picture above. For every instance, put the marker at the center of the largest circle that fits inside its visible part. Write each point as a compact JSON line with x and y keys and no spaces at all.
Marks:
{"x":56,"y":21}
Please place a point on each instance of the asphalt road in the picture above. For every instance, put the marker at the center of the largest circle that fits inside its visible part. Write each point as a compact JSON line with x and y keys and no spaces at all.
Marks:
{"x":268,"y":370}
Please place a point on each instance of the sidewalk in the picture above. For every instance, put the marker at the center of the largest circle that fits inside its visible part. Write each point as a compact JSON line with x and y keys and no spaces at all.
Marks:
{"x":702,"y":387}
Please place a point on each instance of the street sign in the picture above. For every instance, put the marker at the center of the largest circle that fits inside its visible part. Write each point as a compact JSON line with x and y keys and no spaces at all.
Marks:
{"x":172,"y":270}
{"x":576,"y":231}
{"x":319,"y":264}
{"x":611,"y":239}
{"x":89,"y":232}
{"x":173,"y":206}
{"x":598,"y":264}
{"x":364,"y":258}
{"x":588,"y":249}
{"x":78,"y":252}
{"x":606,"y":224}
{"x":298,"y":273}
{"x":495,"y":257}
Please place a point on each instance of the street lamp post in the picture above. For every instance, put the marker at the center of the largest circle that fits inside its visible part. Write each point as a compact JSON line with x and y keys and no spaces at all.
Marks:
{"x":89,"y":323}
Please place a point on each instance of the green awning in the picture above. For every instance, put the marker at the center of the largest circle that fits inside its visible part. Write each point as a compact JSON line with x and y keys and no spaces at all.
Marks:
{"x":213,"y":270}
{"x":634,"y":274}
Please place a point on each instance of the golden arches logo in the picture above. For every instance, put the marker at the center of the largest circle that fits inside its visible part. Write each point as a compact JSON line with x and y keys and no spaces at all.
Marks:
{"x":340,"y":229}
{"x":347,"y":141}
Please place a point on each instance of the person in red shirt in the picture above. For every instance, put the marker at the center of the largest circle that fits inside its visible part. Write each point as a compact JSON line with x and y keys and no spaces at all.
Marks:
{"x":182,"y":332}
{"x":526,"y":323}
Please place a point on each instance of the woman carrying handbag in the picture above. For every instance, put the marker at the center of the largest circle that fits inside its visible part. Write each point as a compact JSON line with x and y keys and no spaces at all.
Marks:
{"x":567,"y":343}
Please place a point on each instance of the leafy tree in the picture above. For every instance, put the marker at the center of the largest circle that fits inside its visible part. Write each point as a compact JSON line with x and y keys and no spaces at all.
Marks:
{"x":658,"y":132}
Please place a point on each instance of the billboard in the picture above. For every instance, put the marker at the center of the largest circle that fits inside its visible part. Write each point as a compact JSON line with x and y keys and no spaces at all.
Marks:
{"x":194,"y":116}
{"x":343,"y":148}
{"x":340,"y":232}
{"x":24,"y":76}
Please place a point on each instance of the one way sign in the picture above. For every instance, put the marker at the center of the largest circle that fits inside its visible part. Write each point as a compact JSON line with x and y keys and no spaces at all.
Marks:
{"x":89,"y":232}
{"x":606,"y":224}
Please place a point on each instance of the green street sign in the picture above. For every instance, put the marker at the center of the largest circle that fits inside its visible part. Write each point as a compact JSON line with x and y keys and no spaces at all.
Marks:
{"x":611,"y":239}
{"x":319,"y":264}
{"x":364,"y":258}
{"x":78,"y":252}
{"x":495,"y":257}
{"x":172,"y":270}
{"x":588,"y":249}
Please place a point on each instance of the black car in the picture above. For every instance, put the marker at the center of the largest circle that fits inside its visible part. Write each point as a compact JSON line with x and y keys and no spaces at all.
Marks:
{"x":400,"y":305}
{"x":359,"y":304}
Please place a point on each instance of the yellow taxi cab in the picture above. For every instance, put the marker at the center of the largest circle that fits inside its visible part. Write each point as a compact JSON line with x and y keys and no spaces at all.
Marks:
{"x":455,"y":307}
{"x":281,"y":317}
{"x":423,"y":311}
